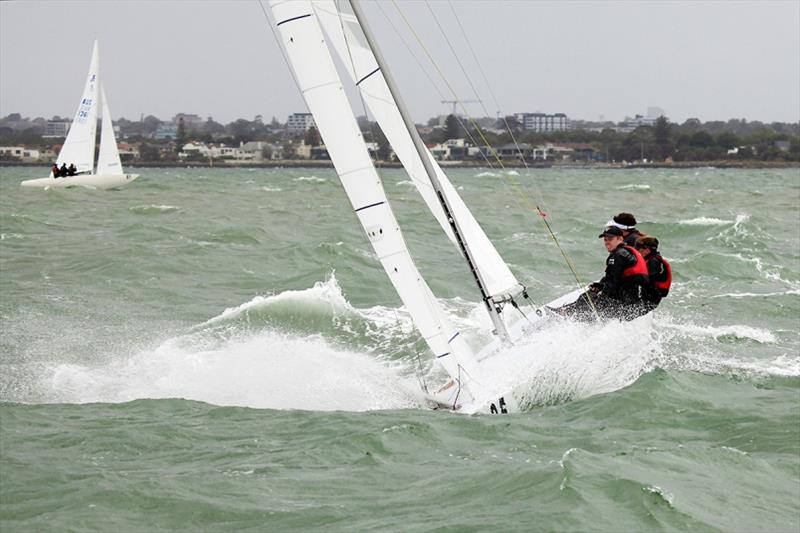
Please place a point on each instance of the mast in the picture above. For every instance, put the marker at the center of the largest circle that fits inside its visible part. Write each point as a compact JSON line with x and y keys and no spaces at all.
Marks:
{"x":494,"y":313}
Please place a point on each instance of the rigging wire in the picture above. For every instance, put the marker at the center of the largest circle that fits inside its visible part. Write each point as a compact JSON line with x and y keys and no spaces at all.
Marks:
{"x":436,"y":87}
{"x":532,"y":205}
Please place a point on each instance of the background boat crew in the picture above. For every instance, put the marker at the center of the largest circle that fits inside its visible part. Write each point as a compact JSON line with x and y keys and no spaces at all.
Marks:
{"x":55,"y":171}
{"x":627,"y":223}
{"x":659,"y":272}
{"x":63,"y":170}
{"x":72,"y":170}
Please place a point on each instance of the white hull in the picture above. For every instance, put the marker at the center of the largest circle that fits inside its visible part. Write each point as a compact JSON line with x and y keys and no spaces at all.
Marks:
{"x":93,"y":181}
{"x":448,"y":397}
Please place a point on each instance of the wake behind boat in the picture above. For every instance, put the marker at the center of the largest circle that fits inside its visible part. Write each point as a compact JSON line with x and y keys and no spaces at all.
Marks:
{"x":79,"y":146}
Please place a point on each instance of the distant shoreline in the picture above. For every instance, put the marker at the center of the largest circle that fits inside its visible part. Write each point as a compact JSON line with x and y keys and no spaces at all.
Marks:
{"x":307,"y":163}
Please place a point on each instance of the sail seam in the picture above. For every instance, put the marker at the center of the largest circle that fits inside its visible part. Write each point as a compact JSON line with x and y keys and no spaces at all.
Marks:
{"x":321,"y":85}
{"x":293,"y":18}
{"x":382,"y":257}
{"x":347,"y":172}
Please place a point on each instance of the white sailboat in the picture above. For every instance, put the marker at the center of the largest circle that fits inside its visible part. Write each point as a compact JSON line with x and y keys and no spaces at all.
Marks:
{"x":79,"y":146}
{"x":303,"y":26}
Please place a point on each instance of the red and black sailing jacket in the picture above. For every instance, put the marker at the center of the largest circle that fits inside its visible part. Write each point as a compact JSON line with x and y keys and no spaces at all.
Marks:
{"x":663,"y":279}
{"x":637,"y":272}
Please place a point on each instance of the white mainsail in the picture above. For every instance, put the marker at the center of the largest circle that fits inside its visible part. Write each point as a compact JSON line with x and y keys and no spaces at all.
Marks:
{"x":316,"y":75}
{"x":359,"y":60}
{"x":108,"y":161}
{"x":78,"y":147}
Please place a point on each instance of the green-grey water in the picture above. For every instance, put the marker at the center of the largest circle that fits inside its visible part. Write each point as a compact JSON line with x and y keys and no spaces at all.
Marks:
{"x":219,"y":350}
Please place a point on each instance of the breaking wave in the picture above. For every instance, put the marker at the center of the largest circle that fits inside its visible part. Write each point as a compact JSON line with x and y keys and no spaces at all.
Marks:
{"x":634,"y":187}
{"x":311,"y":349}
{"x":705,"y":221}
{"x":153,"y":209}
{"x":312,"y":179}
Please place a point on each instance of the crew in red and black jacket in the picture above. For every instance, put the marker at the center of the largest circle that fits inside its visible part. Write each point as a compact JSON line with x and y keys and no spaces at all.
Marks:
{"x":658,"y":269}
{"x":627,"y":223}
{"x":619,"y":293}
{"x":626,"y":270}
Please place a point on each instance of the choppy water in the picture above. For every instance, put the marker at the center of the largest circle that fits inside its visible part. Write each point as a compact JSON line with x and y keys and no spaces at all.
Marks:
{"x":218,"y":350}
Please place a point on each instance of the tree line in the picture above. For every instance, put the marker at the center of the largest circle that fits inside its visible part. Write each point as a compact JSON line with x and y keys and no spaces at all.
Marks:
{"x":692,"y":140}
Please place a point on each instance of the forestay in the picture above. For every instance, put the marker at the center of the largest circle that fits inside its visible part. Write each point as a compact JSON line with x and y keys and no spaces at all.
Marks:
{"x":322,"y":90}
{"x":346,"y":36}
{"x":108,"y":162}
{"x":78,"y":147}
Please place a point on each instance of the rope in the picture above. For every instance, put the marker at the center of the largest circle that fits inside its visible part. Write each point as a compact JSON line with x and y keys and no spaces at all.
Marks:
{"x":532,"y":205}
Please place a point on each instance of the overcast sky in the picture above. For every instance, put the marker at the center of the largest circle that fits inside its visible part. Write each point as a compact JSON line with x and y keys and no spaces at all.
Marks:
{"x":713,"y":60}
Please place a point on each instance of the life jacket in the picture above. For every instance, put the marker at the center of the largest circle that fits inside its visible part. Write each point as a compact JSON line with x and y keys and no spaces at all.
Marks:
{"x":663,"y":286}
{"x":639,"y":268}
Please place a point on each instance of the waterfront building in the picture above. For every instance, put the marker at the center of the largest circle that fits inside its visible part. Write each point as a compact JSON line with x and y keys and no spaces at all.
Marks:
{"x":542,"y":122}
{"x":256,"y":150}
{"x":56,"y":128}
{"x":450,"y":150}
{"x":299,"y":122}
{"x":190,"y":122}
{"x":19,"y":152}
{"x":630,"y":124}
{"x":166,"y":131}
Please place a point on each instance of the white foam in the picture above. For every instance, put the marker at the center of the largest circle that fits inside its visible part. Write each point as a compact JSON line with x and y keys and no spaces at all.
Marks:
{"x":231,"y":365}
{"x":739,"y":331}
{"x":756,"y":294}
{"x":705,"y":221}
{"x":666,"y":496}
{"x":772,"y":275}
{"x":634,"y":187}
{"x":313,"y":179}
{"x":327,"y":292}
{"x":266,"y":370}
{"x":568,"y":360}
{"x":153,"y":208}
{"x":487,"y":174}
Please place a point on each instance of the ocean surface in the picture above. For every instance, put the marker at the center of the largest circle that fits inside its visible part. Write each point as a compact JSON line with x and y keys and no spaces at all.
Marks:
{"x":219,"y":350}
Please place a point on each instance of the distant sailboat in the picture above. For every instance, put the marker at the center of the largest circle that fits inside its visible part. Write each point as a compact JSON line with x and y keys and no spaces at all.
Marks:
{"x":79,"y":146}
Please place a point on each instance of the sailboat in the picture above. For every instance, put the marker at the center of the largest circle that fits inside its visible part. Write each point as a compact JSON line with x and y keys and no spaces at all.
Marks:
{"x":310,"y":31}
{"x":79,"y":146}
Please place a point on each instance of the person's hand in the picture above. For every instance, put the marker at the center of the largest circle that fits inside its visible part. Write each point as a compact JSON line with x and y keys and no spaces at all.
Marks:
{"x":595,"y":287}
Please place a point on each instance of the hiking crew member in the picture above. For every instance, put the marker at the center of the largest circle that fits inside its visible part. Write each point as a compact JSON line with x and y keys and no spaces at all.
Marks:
{"x":658,"y":269}
{"x":619,"y":293}
{"x":72,"y":170}
{"x":55,"y":171}
{"x":627,"y":223}
{"x":63,"y":170}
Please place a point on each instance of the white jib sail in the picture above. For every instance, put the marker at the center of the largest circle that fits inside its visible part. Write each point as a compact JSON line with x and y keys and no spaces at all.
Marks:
{"x":108,"y":162}
{"x":322,"y":90}
{"x":358,"y":59}
{"x":78,"y":147}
